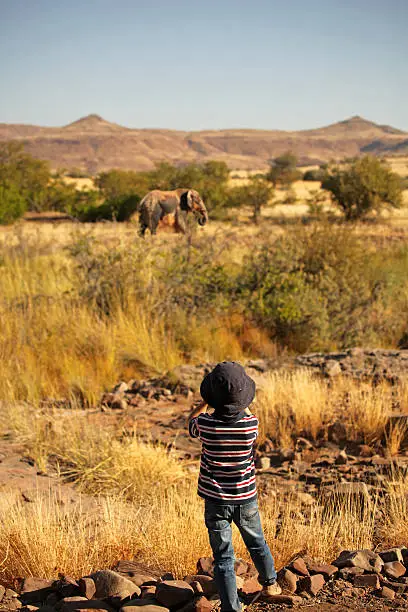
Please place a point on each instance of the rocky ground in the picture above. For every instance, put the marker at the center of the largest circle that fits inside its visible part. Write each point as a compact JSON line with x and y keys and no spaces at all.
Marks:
{"x":157,"y":408}
{"x":356,"y":580}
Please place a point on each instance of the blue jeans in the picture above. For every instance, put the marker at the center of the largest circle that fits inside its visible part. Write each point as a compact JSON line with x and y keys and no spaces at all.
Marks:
{"x":218,"y":519}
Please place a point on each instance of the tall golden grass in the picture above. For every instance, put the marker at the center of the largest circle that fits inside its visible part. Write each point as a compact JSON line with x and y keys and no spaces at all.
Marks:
{"x":296,"y":403}
{"x":149,"y":509}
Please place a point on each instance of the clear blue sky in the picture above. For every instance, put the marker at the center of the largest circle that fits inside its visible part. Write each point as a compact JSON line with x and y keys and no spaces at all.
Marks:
{"x":187,"y":64}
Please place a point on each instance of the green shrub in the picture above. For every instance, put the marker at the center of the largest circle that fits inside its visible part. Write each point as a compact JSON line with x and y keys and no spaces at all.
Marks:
{"x":12,"y":204}
{"x":316,"y":174}
{"x":363,"y":186}
{"x":283,"y":170}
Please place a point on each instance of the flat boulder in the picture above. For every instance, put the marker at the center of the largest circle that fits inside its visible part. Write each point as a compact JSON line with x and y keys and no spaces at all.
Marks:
{"x":364,"y":559}
{"x":174,"y":593}
{"x":142,"y":606}
{"x":111,"y":584}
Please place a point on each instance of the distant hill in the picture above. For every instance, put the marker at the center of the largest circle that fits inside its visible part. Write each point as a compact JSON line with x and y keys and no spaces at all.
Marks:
{"x":94,"y":144}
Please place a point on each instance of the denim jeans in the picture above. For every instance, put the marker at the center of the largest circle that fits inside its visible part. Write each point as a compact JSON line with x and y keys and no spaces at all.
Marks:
{"x":218,"y":520}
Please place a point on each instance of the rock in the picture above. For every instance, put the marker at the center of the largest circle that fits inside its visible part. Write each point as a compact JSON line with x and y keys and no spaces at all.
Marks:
{"x":332,"y":368}
{"x":121,"y":387}
{"x":263,"y":463}
{"x":337,"y":432}
{"x":393,"y":554}
{"x":2,"y":591}
{"x":387,"y":593}
{"x":173,"y":593}
{"x":118,"y":403}
{"x":52,"y":599}
{"x":394,"y":569}
{"x":68,"y":604}
{"x":87,"y":587}
{"x":367,"y":580}
{"x":349,"y":572}
{"x":299,"y":567}
{"x":311,"y":584}
{"x":35,"y":589}
{"x":288,"y":580}
{"x":240,"y":581}
{"x":93,"y":605}
{"x":206,"y":582}
{"x":341,"y":458}
{"x":167,"y":576}
{"x":290,"y":600}
{"x":198,"y":604}
{"x":364,"y":559}
{"x":197,"y":588}
{"x":326,"y":570}
{"x":205,"y":565}
{"x":139,"y":605}
{"x":147,"y":591}
{"x":240,"y":567}
{"x":66,"y":586}
{"x":303,"y":444}
{"x":251,"y":586}
{"x":112,"y":584}
{"x":140,"y":579}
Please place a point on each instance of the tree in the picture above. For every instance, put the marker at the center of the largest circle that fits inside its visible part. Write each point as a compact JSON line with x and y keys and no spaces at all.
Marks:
{"x":255,"y":194}
{"x":363,"y":186}
{"x":12,"y":203}
{"x":117,"y":184}
{"x":30,"y":176}
{"x":283,"y":170}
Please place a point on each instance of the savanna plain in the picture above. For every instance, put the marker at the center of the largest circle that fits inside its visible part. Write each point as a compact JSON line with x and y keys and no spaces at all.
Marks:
{"x":84,"y":307}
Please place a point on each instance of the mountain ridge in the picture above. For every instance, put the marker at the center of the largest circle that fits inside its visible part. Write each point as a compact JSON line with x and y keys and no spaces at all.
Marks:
{"x":94,"y":144}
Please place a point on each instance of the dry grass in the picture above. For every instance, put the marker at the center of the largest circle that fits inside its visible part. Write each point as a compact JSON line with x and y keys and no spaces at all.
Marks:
{"x":291,"y":404}
{"x":150,"y":508}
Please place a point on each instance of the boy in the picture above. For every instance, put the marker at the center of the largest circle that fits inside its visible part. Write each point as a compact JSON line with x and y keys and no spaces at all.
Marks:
{"x":227,"y":478}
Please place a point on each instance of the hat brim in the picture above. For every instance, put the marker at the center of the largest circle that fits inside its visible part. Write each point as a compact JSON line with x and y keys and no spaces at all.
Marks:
{"x":239,"y":401}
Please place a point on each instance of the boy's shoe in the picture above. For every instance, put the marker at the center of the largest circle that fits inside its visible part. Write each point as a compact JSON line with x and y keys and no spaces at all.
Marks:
{"x":268,"y":593}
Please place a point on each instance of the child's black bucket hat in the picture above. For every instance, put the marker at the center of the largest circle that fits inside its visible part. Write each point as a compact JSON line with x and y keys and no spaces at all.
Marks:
{"x":228,"y":389}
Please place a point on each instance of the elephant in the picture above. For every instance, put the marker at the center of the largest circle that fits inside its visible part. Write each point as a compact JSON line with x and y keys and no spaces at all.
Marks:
{"x":172,"y":208}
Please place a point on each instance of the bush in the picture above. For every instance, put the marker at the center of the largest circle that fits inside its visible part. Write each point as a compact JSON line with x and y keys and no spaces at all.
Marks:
{"x":312,"y":289}
{"x":255,"y":194}
{"x":283,"y":170}
{"x":120,"y":209}
{"x":316,"y":174}
{"x":12,"y":204}
{"x":363,"y":186}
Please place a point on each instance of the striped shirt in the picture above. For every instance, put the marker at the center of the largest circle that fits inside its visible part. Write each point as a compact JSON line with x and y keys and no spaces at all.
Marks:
{"x":227,"y":470}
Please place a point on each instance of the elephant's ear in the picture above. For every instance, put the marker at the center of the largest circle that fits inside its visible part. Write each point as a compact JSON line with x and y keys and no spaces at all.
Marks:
{"x":186,"y":201}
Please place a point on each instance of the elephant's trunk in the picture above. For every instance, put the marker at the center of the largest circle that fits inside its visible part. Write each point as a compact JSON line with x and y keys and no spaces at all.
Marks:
{"x":203,"y":218}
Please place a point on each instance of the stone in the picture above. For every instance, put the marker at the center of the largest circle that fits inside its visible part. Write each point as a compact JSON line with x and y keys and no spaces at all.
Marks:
{"x":52,"y":599}
{"x":147,"y":591}
{"x":393,"y":554}
{"x":197,"y":588}
{"x":121,"y":387}
{"x":2,"y":591}
{"x":387,"y":593}
{"x":251,"y":586}
{"x":68,"y":604}
{"x":337,"y":432}
{"x":66,"y":586}
{"x":87,"y":587}
{"x":141,"y":579}
{"x":326,"y":570}
{"x":263,"y":463}
{"x":332,"y":368}
{"x":367,"y":580}
{"x":173,"y":593}
{"x":311,"y":584}
{"x":290,"y":600}
{"x":341,"y":458}
{"x":139,"y":605}
{"x":299,"y":567}
{"x":288,"y":580}
{"x":365,"y":559}
{"x":111,"y":584}
{"x":198,"y":604}
{"x":93,"y":605}
{"x":119,"y":403}
{"x":240,"y":567}
{"x":394,"y":569}
{"x":348,"y":572}
{"x":303,"y":444}
{"x":35,"y":589}
{"x":205,"y":565}
{"x":206,"y":582}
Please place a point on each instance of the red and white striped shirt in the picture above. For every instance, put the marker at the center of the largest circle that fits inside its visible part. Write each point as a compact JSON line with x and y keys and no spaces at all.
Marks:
{"x":227,"y":470}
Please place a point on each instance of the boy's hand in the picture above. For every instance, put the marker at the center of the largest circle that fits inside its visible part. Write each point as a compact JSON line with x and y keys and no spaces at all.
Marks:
{"x":197,"y":408}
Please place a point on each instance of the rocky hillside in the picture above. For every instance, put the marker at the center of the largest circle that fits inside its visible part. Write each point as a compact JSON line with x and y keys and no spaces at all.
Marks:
{"x":93,"y":144}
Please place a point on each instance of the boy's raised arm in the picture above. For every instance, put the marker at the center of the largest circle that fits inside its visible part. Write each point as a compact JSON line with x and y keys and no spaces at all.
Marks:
{"x":198,"y":407}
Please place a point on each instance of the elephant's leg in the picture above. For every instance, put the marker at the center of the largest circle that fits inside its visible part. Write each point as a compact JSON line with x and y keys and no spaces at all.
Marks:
{"x":156,"y":215}
{"x":180,"y":221}
{"x":142,"y":229}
